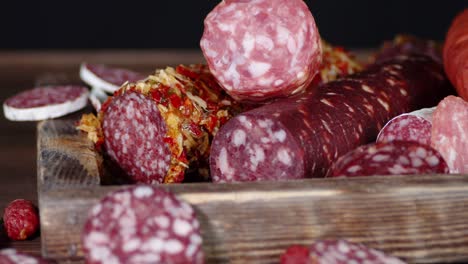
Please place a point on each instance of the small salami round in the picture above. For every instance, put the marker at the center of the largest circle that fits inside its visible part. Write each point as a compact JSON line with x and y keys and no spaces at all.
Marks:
{"x":450,"y":133}
{"x":414,"y":126}
{"x":12,"y":256}
{"x":107,"y":78}
{"x":263,"y":49}
{"x":45,"y":102}
{"x":21,"y":219}
{"x":390,"y":158}
{"x":142,"y":224}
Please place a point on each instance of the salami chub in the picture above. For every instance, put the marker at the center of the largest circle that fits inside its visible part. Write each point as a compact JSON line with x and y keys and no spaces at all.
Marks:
{"x":300,"y":137}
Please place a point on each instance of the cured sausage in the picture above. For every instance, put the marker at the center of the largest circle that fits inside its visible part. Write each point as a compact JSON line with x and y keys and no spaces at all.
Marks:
{"x":45,"y":102}
{"x":12,"y":256}
{"x":142,"y":224}
{"x":450,"y":133}
{"x":390,"y":158}
{"x":456,"y":53}
{"x":259,"y":50}
{"x":107,"y":78}
{"x":408,"y":44}
{"x":300,"y":137}
{"x":414,"y":126}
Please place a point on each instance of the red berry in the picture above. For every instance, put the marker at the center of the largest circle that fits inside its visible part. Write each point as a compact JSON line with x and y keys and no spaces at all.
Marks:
{"x":296,"y":255}
{"x":21,"y":219}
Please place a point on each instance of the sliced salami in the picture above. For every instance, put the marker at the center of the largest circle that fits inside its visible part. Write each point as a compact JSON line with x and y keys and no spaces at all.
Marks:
{"x":414,"y":126}
{"x":12,"y":256}
{"x":142,"y":224}
{"x":259,"y":50}
{"x":300,"y":137}
{"x":106,"y":78}
{"x":45,"y":102}
{"x":97,"y":98}
{"x":390,"y":158}
{"x":450,"y":133}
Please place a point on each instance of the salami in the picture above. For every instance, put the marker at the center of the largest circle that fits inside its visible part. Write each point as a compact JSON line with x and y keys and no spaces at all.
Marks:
{"x":414,"y":126}
{"x":12,"y":256}
{"x":449,"y":133}
{"x":142,"y":224}
{"x":390,"y":158}
{"x":407,"y":44}
{"x":107,"y":78}
{"x":159,"y":129}
{"x":301,"y":136}
{"x":21,"y":219}
{"x":97,"y":97}
{"x":45,"y":102}
{"x":259,"y":50}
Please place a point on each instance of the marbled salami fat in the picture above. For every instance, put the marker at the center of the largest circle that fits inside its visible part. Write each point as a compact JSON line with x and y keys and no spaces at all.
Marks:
{"x":107,"y":78}
{"x":301,"y":136}
{"x":450,"y":132}
{"x":12,"y":256}
{"x":45,"y":102}
{"x":142,"y":224}
{"x":262,"y":49}
{"x":390,"y":158}
{"x":414,"y":126}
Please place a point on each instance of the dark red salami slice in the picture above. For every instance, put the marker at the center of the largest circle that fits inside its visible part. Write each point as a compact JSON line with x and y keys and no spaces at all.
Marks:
{"x":414,"y":126}
{"x":12,"y":256}
{"x":107,"y":78}
{"x":263,"y":49}
{"x":450,"y":133}
{"x":45,"y":102}
{"x":300,"y":137}
{"x":390,"y":158}
{"x":142,"y":224}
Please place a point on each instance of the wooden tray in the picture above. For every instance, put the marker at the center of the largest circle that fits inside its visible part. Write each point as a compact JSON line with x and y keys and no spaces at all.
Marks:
{"x":421,"y":219}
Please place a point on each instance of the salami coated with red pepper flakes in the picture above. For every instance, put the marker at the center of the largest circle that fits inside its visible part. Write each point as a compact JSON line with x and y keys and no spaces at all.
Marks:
{"x":390,"y":158}
{"x":142,"y":224}
{"x":450,"y":133}
{"x":300,"y":137}
{"x":262,"y":49}
{"x":12,"y":256}
{"x":107,"y":78}
{"x":414,"y":126}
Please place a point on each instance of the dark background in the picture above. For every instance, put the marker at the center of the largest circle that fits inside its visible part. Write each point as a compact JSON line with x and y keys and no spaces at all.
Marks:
{"x":179,"y":24}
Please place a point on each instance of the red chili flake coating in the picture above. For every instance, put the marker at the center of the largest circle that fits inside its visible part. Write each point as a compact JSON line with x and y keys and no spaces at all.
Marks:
{"x":21,"y":219}
{"x":296,"y":255}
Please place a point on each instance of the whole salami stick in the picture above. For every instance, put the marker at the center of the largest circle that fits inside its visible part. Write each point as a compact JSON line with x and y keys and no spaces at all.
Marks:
{"x":300,"y":137}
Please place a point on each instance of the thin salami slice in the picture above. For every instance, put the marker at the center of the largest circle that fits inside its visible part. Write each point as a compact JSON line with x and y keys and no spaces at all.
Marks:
{"x":12,"y":256}
{"x":390,"y":158}
{"x":414,"y":126}
{"x":142,"y":224}
{"x":45,"y":102}
{"x":107,"y":78}
{"x":97,"y":98}
{"x":259,"y":50}
{"x":450,"y":133}
{"x":301,"y":136}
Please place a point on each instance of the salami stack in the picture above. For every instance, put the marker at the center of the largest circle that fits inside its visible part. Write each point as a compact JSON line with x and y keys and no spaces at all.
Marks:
{"x":300,"y":137}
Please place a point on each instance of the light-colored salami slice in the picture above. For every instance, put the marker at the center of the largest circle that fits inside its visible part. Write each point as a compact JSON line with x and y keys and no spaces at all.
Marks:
{"x":450,"y":132}
{"x":262,"y":49}
{"x":12,"y":256}
{"x":390,"y":158}
{"x":142,"y":224}
{"x":97,"y":97}
{"x":414,"y":126}
{"x":107,"y":78}
{"x":45,"y":102}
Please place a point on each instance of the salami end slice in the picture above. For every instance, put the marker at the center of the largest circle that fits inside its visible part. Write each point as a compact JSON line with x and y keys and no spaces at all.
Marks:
{"x":450,"y":132}
{"x":107,"y":78}
{"x":142,"y":224}
{"x":12,"y":256}
{"x":259,"y":50}
{"x":414,"y":126}
{"x":390,"y":158}
{"x":45,"y":102}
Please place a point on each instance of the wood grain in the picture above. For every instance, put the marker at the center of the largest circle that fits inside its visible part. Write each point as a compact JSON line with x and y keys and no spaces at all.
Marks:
{"x":421,"y":219}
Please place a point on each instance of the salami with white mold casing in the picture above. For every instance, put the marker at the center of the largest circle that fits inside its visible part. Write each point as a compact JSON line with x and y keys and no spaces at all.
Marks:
{"x":300,"y":137}
{"x":414,"y":126}
{"x":262,"y":49}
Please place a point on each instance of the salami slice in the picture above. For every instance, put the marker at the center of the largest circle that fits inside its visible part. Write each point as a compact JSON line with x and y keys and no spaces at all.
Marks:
{"x":390,"y":158}
{"x":12,"y":256}
{"x":414,"y":126}
{"x":107,"y":78}
{"x":45,"y":102}
{"x":259,"y":50}
{"x":300,"y":137}
{"x":142,"y":224}
{"x":450,"y":133}
{"x":97,"y":98}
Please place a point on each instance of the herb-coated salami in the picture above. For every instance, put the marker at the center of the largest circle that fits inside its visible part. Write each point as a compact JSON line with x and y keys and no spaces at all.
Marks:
{"x":142,"y":224}
{"x":262,"y":49}
{"x":107,"y":78}
{"x":300,"y":137}
{"x":390,"y":158}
